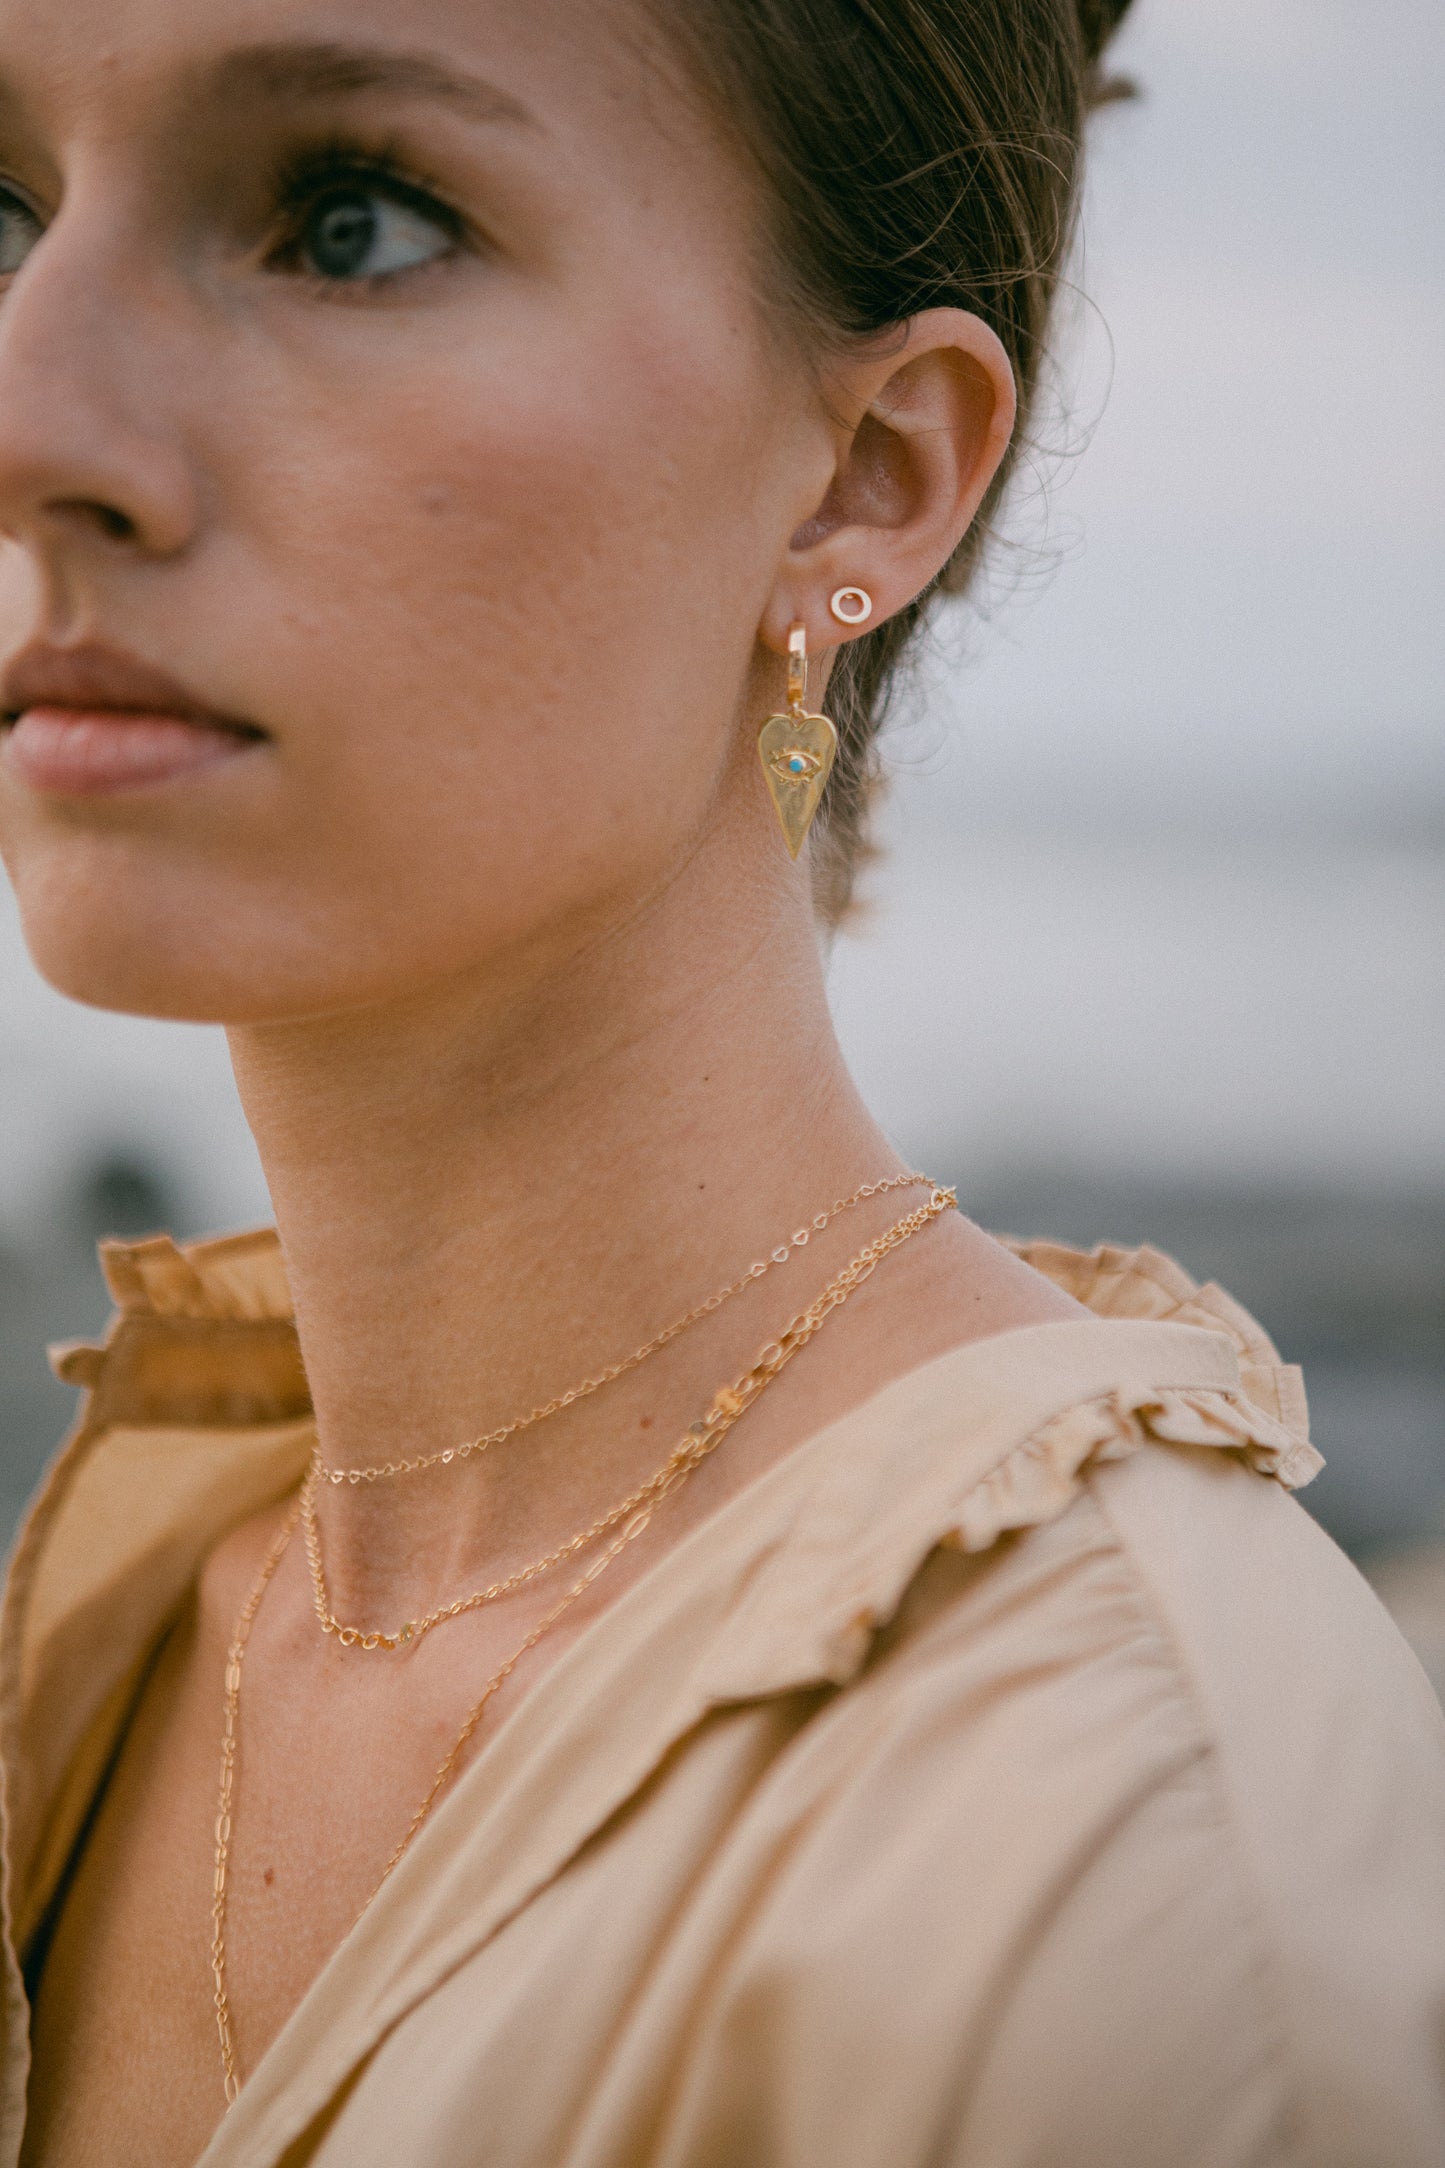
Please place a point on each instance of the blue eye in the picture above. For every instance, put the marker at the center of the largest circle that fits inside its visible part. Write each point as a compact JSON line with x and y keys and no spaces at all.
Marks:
{"x":795,"y":764}
{"x":20,"y":229}
{"x":358,"y":231}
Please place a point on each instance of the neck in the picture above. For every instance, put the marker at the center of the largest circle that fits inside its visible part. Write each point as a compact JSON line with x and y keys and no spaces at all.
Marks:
{"x":485,"y":1195}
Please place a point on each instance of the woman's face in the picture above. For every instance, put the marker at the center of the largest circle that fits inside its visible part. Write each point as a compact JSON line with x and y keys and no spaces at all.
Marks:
{"x":392,"y":377}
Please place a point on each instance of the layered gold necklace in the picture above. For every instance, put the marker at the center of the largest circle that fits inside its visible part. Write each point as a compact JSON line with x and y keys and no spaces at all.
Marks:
{"x":382,"y":1470}
{"x":622,"y":1524}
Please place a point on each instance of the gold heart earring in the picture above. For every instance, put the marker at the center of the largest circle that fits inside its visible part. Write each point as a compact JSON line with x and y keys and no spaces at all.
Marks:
{"x":797,"y":751}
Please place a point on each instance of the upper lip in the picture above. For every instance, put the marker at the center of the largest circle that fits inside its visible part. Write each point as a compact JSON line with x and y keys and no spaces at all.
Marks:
{"x":91,"y":677}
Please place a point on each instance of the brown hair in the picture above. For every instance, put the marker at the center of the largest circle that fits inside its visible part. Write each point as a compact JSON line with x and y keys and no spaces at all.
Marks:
{"x":919,"y":153}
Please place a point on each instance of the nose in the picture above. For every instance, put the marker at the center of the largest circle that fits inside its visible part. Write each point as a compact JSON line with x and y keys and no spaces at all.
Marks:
{"x":90,"y":381}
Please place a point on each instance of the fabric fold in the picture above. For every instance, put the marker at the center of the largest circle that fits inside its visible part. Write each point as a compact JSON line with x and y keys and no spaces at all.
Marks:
{"x":1041,"y":1478}
{"x":1144,"y":1283}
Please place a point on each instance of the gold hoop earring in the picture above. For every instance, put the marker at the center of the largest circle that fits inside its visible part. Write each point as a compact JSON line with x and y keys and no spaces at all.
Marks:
{"x":852,"y":605}
{"x":797,"y":751}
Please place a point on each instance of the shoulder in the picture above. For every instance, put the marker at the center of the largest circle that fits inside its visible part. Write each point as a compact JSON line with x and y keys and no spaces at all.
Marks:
{"x":1310,"y":1699}
{"x":1139,"y":1815}
{"x":1326,"y":1753}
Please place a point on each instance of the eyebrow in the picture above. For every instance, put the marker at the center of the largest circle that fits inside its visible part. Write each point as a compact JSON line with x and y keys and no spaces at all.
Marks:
{"x":319,"y":70}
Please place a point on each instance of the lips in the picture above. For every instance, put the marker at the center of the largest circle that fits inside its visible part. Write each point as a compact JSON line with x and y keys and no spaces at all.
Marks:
{"x":93,"y":721}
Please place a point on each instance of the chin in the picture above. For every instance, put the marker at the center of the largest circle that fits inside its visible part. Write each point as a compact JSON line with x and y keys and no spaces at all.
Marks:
{"x":141,"y":971}
{"x":114,"y":935}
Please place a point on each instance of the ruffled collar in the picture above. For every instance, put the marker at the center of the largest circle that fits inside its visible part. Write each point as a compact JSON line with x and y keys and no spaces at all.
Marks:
{"x":230,"y":1297}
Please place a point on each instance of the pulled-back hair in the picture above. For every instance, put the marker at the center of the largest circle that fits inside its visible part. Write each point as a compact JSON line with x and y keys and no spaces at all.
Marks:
{"x":919,"y":153}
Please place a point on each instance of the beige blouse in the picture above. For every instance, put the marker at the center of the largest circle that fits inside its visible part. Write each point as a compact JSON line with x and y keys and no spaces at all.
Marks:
{"x":1014,"y":1777}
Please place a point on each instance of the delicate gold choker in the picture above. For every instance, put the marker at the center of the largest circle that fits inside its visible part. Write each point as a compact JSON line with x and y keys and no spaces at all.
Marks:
{"x":727,"y":1406}
{"x":758,"y":1271}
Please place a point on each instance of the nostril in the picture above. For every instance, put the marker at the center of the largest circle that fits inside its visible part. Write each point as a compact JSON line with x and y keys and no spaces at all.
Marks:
{"x":119,"y":526}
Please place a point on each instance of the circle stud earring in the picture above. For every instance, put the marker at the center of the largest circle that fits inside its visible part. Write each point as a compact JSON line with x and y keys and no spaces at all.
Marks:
{"x":852,"y":605}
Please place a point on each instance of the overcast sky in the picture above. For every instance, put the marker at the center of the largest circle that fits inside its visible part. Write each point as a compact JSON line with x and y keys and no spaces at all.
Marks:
{"x":1240,"y":575}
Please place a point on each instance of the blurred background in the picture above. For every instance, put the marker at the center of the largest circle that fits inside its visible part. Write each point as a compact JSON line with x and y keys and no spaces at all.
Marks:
{"x":1156,"y":947}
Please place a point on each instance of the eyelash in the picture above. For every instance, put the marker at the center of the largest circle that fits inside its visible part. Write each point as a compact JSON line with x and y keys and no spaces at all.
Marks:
{"x":14,"y":198}
{"x":309,"y":174}
{"x":312,"y":172}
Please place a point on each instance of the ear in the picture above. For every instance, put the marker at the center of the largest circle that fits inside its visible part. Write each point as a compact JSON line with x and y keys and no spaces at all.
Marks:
{"x":920,"y":423}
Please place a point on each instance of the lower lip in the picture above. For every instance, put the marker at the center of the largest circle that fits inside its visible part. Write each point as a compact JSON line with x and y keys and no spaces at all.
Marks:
{"x":69,"y":752}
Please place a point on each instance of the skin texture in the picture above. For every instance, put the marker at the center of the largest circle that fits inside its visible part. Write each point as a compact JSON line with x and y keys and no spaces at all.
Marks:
{"x":495,"y":557}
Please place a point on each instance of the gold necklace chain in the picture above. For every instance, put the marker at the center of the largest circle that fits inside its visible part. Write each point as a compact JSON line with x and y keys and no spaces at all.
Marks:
{"x":235,"y":1657}
{"x":681,"y":1456}
{"x":700,"y":1440}
{"x":444,"y":1459}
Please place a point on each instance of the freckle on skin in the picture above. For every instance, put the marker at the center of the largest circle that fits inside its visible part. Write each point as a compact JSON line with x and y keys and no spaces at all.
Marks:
{"x":436,"y":497}
{"x":269,"y":1876}
{"x":646,"y":1423}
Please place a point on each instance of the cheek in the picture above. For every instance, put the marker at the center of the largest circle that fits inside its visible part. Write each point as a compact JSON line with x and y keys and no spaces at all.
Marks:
{"x":515,"y":620}
{"x":495,"y":601}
